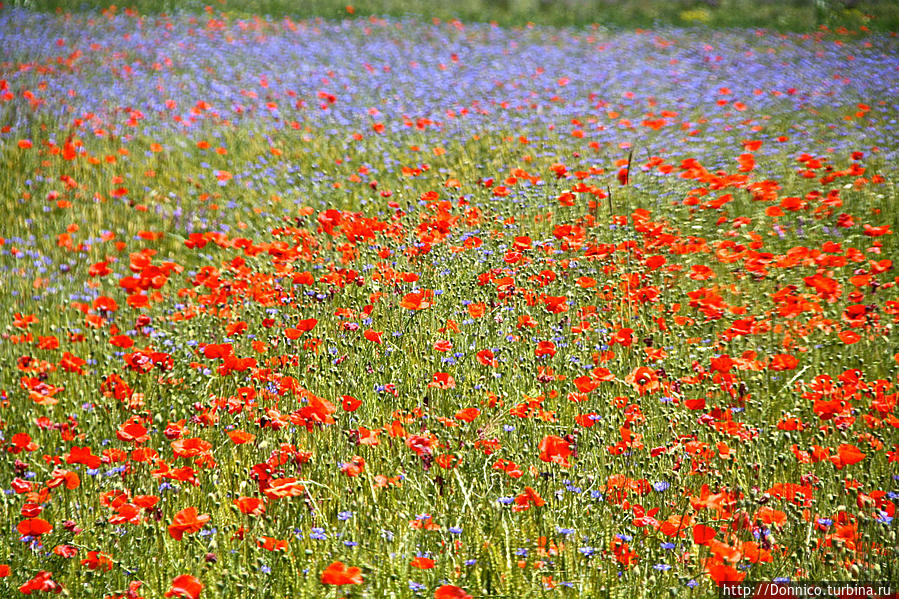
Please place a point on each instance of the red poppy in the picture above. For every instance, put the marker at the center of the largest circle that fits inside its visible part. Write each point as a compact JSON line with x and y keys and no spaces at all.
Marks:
{"x":338,"y":574}
{"x":586,"y":384}
{"x":33,"y":527}
{"x":420,"y":300}
{"x":354,"y":467}
{"x":695,"y":404}
{"x":487,"y":358}
{"x":187,"y":521}
{"x":66,"y":551}
{"x":43,"y":582}
{"x":850,"y":454}
{"x":644,"y":380}
{"x":877,"y":231}
{"x":284,"y":487}
{"x":132,"y":430}
{"x":468,"y":414}
{"x":702,"y":534}
{"x":545,"y":348}
{"x":307,"y":324}
{"x":556,"y":450}
{"x":349,"y":403}
{"x":97,"y":561}
{"x":252,"y":506}
{"x":189,"y":448}
{"x":122,"y":341}
{"x":442,"y":380}
{"x":447,"y":461}
{"x":443,"y":345}
{"x":849,"y":337}
{"x":271,"y":544}
{"x":721,"y":572}
{"x":526,"y":321}
{"x":185,"y":586}
{"x":526,"y":499}
{"x":449,"y":591}
{"x":623,"y":337}
{"x":422,"y":563}
{"x":145,"y":501}
{"x":783,"y":362}
{"x":239,"y":437}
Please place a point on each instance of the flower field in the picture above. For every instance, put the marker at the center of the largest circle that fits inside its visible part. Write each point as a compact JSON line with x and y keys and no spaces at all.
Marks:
{"x":420,"y":308}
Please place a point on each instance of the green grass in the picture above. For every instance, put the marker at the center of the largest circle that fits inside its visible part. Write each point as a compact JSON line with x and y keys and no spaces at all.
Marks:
{"x":792,"y":15}
{"x":464,"y":496}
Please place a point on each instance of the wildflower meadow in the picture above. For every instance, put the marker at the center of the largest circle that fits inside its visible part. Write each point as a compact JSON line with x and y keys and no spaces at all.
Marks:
{"x":359,"y":305}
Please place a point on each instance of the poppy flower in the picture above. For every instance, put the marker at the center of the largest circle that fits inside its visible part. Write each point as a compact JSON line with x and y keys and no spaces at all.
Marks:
{"x":145,"y":501}
{"x":449,"y":591}
{"x":556,"y":450}
{"x":422,"y":563}
{"x":424,"y":522}
{"x":849,"y":337}
{"x":97,"y":561}
{"x":624,"y":337}
{"x":42,"y":581}
{"x":526,"y":499}
{"x":487,"y":358}
{"x":447,"y":461}
{"x":442,"y":380}
{"x":284,"y":487}
{"x":338,"y":574}
{"x":420,"y":300}
{"x":21,"y":442}
{"x":545,"y":348}
{"x":252,"y":506}
{"x":189,"y":448}
{"x":643,"y":380}
{"x":122,"y":341}
{"x":354,"y":467}
{"x":695,"y":404}
{"x":239,"y":437}
{"x":419,"y":444}
{"x":526,"y":320}
{"x":349,"y":403}
{"x":702,"y":534}
{"x":33,"y":527}
{"x":781,"y":362}
{"x":721,"y":573}
{"x":132,"y":430}
{"x":849,"y":454}
{"x":185,"y":586}
{"x":307,"y":324}
{"x":871,"y":231}
{"x":271,"y":544}
{"x":476,"y":310}
{"x":770,"y":516}
{"x":187,"y":521}
{"x":66,"y":551}
{"x":467,"y":414}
